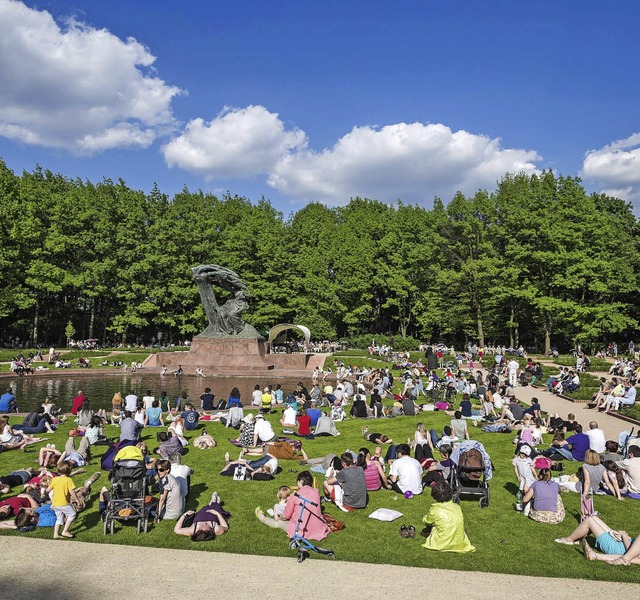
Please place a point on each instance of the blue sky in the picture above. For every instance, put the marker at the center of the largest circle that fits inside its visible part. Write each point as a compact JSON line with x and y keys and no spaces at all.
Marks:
{"x":301,"y":101}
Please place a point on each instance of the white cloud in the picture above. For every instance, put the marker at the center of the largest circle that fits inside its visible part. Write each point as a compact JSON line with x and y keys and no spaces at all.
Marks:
{"x":238,"y":142}
{"x":76,"y":87}
{"x":616,"y":167}
{"x":413,"y":162}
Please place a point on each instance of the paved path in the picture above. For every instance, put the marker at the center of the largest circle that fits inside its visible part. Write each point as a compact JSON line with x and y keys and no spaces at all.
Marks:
{"x":46,"y":569}
{"x":552,"y":403}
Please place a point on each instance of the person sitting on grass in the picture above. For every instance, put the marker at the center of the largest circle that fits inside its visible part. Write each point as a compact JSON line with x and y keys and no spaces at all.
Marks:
{"x":547,"y":504}
{"x":275,"y":519}
{"x":204,"y":525}
{"x":405,"y":473}
{"x":348,"y":487}
{"x":310,"y":524}
{"x":445,"y":522}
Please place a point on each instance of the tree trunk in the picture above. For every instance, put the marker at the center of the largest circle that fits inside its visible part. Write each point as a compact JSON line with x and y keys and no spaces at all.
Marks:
{"x":92,"y":318}
{"x":480,"y":329}
{"x":511,"y":321}
{"x":34,"y":330}
{"x":547,"y":336}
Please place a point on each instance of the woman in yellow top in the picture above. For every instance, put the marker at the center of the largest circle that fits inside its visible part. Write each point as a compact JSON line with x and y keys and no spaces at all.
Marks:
{"x":445,"y":517}
{"x":63,"y":494}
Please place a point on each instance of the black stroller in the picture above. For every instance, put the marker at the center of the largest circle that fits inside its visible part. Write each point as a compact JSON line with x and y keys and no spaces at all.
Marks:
{"x":128,"y":489}
{"x":471,"y":470}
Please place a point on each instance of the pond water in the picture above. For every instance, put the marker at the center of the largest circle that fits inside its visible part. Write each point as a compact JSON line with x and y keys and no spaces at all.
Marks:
{"x":100,"y":388}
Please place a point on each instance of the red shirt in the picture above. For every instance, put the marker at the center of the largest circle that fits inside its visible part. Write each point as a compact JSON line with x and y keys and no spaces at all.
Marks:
{"x":16,"y":504}
{"x":304,"y":425}
{"x":78,"y":401}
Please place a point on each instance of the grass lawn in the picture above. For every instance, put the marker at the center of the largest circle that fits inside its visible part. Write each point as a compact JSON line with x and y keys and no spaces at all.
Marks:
{"x":505,"y":541}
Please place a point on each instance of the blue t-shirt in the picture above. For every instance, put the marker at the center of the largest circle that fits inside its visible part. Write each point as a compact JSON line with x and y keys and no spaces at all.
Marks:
{"x":315,"y":414}
{"x":190,"y":419}
{"x":465,"y":408}
{"x":579,"y":445}
{"x":47,"y":516}
{"x":153,"y":415}
{"x":6,"y":401}
{"x":207,"y":401}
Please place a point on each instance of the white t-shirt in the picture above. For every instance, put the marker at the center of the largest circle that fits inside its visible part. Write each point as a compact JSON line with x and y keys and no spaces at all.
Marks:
{"x":148,"y":401}
{"x":131,"y":402}
{"x":264,"y":430}
{"x":597,"y":440}
{"x":256,"y":397}
{"x":409,"y":474}
{"x":181,"y":473}
{"x":289,"y":416}
{"x":513,"y":365}
{"x":497,"y":401}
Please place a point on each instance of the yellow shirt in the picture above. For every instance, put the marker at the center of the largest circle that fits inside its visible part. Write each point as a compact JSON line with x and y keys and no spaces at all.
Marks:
{"x":448,"y":533}
{"x":61,"y":487}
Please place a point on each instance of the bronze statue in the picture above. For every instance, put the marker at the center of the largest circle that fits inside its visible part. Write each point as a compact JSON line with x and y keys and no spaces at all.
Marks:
{"x":224,"y":320}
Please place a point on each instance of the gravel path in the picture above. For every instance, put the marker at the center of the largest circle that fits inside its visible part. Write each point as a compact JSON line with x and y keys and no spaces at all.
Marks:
{"x":46,"y":569}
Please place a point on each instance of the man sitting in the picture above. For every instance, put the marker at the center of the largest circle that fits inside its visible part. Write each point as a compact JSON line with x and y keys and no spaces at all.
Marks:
{"x":348,"y":488}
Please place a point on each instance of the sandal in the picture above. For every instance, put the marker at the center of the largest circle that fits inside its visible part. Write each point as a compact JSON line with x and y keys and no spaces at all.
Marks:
{"x":412,"y":531}
{"x":565,"y":541}
{"x":404,"y":532}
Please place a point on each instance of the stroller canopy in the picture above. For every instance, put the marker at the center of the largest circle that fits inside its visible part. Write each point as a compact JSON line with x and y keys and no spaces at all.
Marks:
{"x":466,"y":445}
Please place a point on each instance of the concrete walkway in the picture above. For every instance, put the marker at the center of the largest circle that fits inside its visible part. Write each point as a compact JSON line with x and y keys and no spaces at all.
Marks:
{"x":552,"y":403}
{"x":45,"y":569}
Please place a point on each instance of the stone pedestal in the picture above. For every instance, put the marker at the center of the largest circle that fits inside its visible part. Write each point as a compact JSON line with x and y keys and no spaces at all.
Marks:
{"x":235,"y":356}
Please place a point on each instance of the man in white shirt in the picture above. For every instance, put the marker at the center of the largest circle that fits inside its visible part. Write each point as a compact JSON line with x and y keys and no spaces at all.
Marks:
{"x":263,"y":431}
{"x":131,"y":402}
{"x":513,"y":366}
{"x":288,"y":417}
{"x":148,"y":400}
{"x":405,"y":473}
{"x":631,"y":469}
{"x":597,"y":439}
{"x":256,"y":396}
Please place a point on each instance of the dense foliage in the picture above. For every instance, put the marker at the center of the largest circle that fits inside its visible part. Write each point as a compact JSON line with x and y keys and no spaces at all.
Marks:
{"x":538,"y":262}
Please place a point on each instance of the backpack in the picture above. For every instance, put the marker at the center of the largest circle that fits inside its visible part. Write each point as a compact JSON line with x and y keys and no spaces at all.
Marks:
{"x":472,"y":464}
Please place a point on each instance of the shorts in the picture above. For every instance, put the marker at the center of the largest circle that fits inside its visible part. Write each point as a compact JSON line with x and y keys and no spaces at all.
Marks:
{"x":63,"y":513}
{"x":15,"y":478}
{"x":607,"y":544}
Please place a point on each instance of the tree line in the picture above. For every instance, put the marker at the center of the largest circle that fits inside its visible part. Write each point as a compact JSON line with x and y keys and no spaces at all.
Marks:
{"x":538,"y":262}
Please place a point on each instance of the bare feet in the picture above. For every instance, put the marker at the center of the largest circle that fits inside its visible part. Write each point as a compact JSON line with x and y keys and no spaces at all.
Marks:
{"x":260,"y":514}
{"x":227,"y":458}
{"x":589,"y":552}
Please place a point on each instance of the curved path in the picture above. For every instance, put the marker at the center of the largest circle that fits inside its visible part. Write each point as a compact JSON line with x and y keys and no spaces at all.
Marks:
{"x":98,"y":571}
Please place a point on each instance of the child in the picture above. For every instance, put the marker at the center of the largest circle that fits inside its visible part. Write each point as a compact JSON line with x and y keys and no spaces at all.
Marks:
{"x":63,"y":494}
{"x":377,"y":455}
{"x":275,"y":515}
{"x":277,"y":511}
{"x":525,"y":472}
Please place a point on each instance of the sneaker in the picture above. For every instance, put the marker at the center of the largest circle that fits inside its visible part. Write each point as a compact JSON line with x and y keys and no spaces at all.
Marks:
{"x":89,"y":482}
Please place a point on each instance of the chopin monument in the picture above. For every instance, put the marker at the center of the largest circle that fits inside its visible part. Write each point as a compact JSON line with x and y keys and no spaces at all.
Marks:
{"x":229,"y":345}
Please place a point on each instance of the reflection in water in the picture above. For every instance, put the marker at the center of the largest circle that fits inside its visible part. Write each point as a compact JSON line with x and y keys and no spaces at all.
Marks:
{"x":99,"y":388}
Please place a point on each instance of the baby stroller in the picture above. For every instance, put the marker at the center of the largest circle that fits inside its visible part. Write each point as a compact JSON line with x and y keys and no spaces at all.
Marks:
{"x":300,"y":543}
{"x":471,"y":471}
{"x":128,"y":489}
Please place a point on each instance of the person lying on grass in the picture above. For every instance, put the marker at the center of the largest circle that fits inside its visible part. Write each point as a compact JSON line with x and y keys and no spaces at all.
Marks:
{"x":261,"y":468}
{"x":612,"y":543}
{"x":209,"y":522}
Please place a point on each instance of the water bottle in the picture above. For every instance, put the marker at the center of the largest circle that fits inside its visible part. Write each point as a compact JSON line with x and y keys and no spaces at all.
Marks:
{"x":519,"y":497}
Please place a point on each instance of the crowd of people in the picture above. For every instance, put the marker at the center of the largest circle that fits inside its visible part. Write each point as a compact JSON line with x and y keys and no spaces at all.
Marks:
{"x":474,"y":398}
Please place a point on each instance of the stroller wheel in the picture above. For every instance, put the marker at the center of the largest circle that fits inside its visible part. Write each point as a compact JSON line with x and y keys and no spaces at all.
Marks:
{"x":106,"y":527}
{"x":111,"y":526}
{"x":483,"y":502}
{"x":302,"y":556}
{"x":139,"y":526}
{"x":146,"y":525}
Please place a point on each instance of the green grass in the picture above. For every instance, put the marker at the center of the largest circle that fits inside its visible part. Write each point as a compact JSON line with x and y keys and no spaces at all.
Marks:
{"x":505,"y":541}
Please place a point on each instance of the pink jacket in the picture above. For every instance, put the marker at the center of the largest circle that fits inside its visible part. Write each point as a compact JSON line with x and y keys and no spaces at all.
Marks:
{"x":313,"y":526}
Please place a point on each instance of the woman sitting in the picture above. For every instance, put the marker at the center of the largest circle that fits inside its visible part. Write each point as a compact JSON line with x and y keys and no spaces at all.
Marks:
{"x":373,"y":472}
{"x":547,"y":504}
{"x":310,"y":523}
{"x":153,"y":416}
{"x":206,"y":524}
{"x":614,"y":481}
{"x":446,"y":522}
